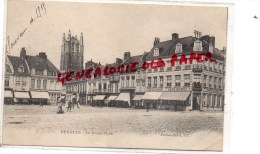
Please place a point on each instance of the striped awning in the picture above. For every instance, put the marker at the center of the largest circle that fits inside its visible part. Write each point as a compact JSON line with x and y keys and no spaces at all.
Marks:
{"x":177,"y":96}
{"x":110,"y":98}
{"x":99,"y":97}
{"x":152,"y":95}
{"x":8,"y":94}
{"x":18,"y":94}
{"x":138,"y":97}
{"x":40,"y":94}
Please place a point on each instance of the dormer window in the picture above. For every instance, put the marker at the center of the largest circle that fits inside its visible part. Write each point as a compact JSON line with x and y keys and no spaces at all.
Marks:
{"x":156,"y":52}
{"x":178,"y":48}
{"x":21,"y":69}
{"x":197,"y":45}
{"x":45,"y":72}
{"x":33,"y":71}
{"x":211,"y":48}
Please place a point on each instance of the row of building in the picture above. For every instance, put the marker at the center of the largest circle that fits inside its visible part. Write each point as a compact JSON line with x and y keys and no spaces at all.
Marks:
{"x":196,"y":86}
{"x":30,"y":79}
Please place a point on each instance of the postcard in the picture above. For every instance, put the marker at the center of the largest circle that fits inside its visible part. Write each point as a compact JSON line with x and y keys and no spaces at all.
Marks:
{"x":125,"y":75}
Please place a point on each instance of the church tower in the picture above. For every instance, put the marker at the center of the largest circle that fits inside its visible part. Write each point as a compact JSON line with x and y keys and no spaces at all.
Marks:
{"x":72,"y":53}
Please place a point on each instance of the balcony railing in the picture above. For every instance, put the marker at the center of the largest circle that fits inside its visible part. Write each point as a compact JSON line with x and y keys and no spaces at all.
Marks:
{"x":169,"y":68}
{"x":161,"y":69}
{"x":187,"y":67}
{"x":197,"y":68}
{"x":177,"y":68}
{"x":196,"y":86}
{"x":113,"y":79}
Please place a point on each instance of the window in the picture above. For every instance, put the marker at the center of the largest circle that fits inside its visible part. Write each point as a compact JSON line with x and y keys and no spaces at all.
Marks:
{"x":122,"y":81}
{"x":169,"y":80}
{"x":77,"y":47}
{"x":105,"y":86}
{"x":210,"y":81}
{"x":177,"y":80}
{"x":169,"y":63}
{"x":220,"y":83}
{"x":211,"y":48}
{"x":99,"y":86}
{"x":127,"y":81}
{"x":155,"y":81}
{"x":161,"y":81}
{"x":33,"y":71}
{"x":7,"y":82}
{"x":133,"y":81}
{"x":38,"y":84}
{"x":45,"y":72}
{"x":32,"y":83}
{"x":196,"y":77}
{"x":51,"y":82}
{"x":205,"y":100}
{"x":72,"y":46}
{"x":21,"y":69}
{"x":178,"y":48}
{"x":187,"y":80}
{"x":197,"y":45}
{"x":149,"y":82}
{"x":205,"y":80}
{"x":116,"y":87}
{"x":44,"y":84}
{"x":156,"y":52}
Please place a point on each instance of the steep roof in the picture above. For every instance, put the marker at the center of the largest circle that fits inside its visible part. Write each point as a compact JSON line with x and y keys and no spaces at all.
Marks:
{"x":40,"y":64}
{"x":133,"y":59}
{"x":167,"y":48}
{"x":18,"y":62}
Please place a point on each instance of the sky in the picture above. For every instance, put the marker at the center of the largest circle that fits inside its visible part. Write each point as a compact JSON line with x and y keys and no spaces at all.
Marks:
{"x":109,"y":30}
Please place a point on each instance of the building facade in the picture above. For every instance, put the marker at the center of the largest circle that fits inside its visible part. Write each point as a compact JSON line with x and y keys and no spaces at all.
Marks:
{"x":191,"y":78}
{"x":31,"y":79}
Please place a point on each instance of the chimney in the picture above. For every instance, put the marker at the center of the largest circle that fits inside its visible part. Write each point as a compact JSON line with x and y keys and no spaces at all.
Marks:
{"x":43,"y":55}
{"x":118,"y":61}
{"x":23,"y":53}
{"x":212,"y":40}
{"x":156,"y":41}
{"x":175,"y":36}
{"x":126,"y":55}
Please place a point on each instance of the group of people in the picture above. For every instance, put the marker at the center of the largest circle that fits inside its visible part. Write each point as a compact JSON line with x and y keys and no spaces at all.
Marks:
{"x":69,"y":105}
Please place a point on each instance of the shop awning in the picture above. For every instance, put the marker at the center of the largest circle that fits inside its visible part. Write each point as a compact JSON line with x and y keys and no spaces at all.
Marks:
{"x":40,"y":94}
{"x":18,"y":94}
{"x":124,"y":97}
{"x":152,"y":95}
{"x":138,"y":97}
{"x":110,"y":98}
{"x":177,"y":96}
{"x":8,"y":94}
{"x":99,"y":97}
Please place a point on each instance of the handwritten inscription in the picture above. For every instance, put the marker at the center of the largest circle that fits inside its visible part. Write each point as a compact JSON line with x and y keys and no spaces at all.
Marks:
{"x":39,"y":12}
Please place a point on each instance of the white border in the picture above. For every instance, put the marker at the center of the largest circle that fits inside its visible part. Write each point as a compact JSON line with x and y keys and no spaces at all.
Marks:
{"x":242,"y":68}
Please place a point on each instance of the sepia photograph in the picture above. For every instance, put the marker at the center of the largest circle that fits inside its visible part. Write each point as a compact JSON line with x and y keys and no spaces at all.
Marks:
{"x":115,"y":75}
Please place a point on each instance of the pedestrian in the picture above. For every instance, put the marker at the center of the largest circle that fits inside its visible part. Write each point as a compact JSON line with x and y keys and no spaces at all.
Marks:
{"x":59,"y":106}
{"x":41,"y":104}
{"x":147,"y":107}
{"x":78,"y":105}
{"x":69,"y":106}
